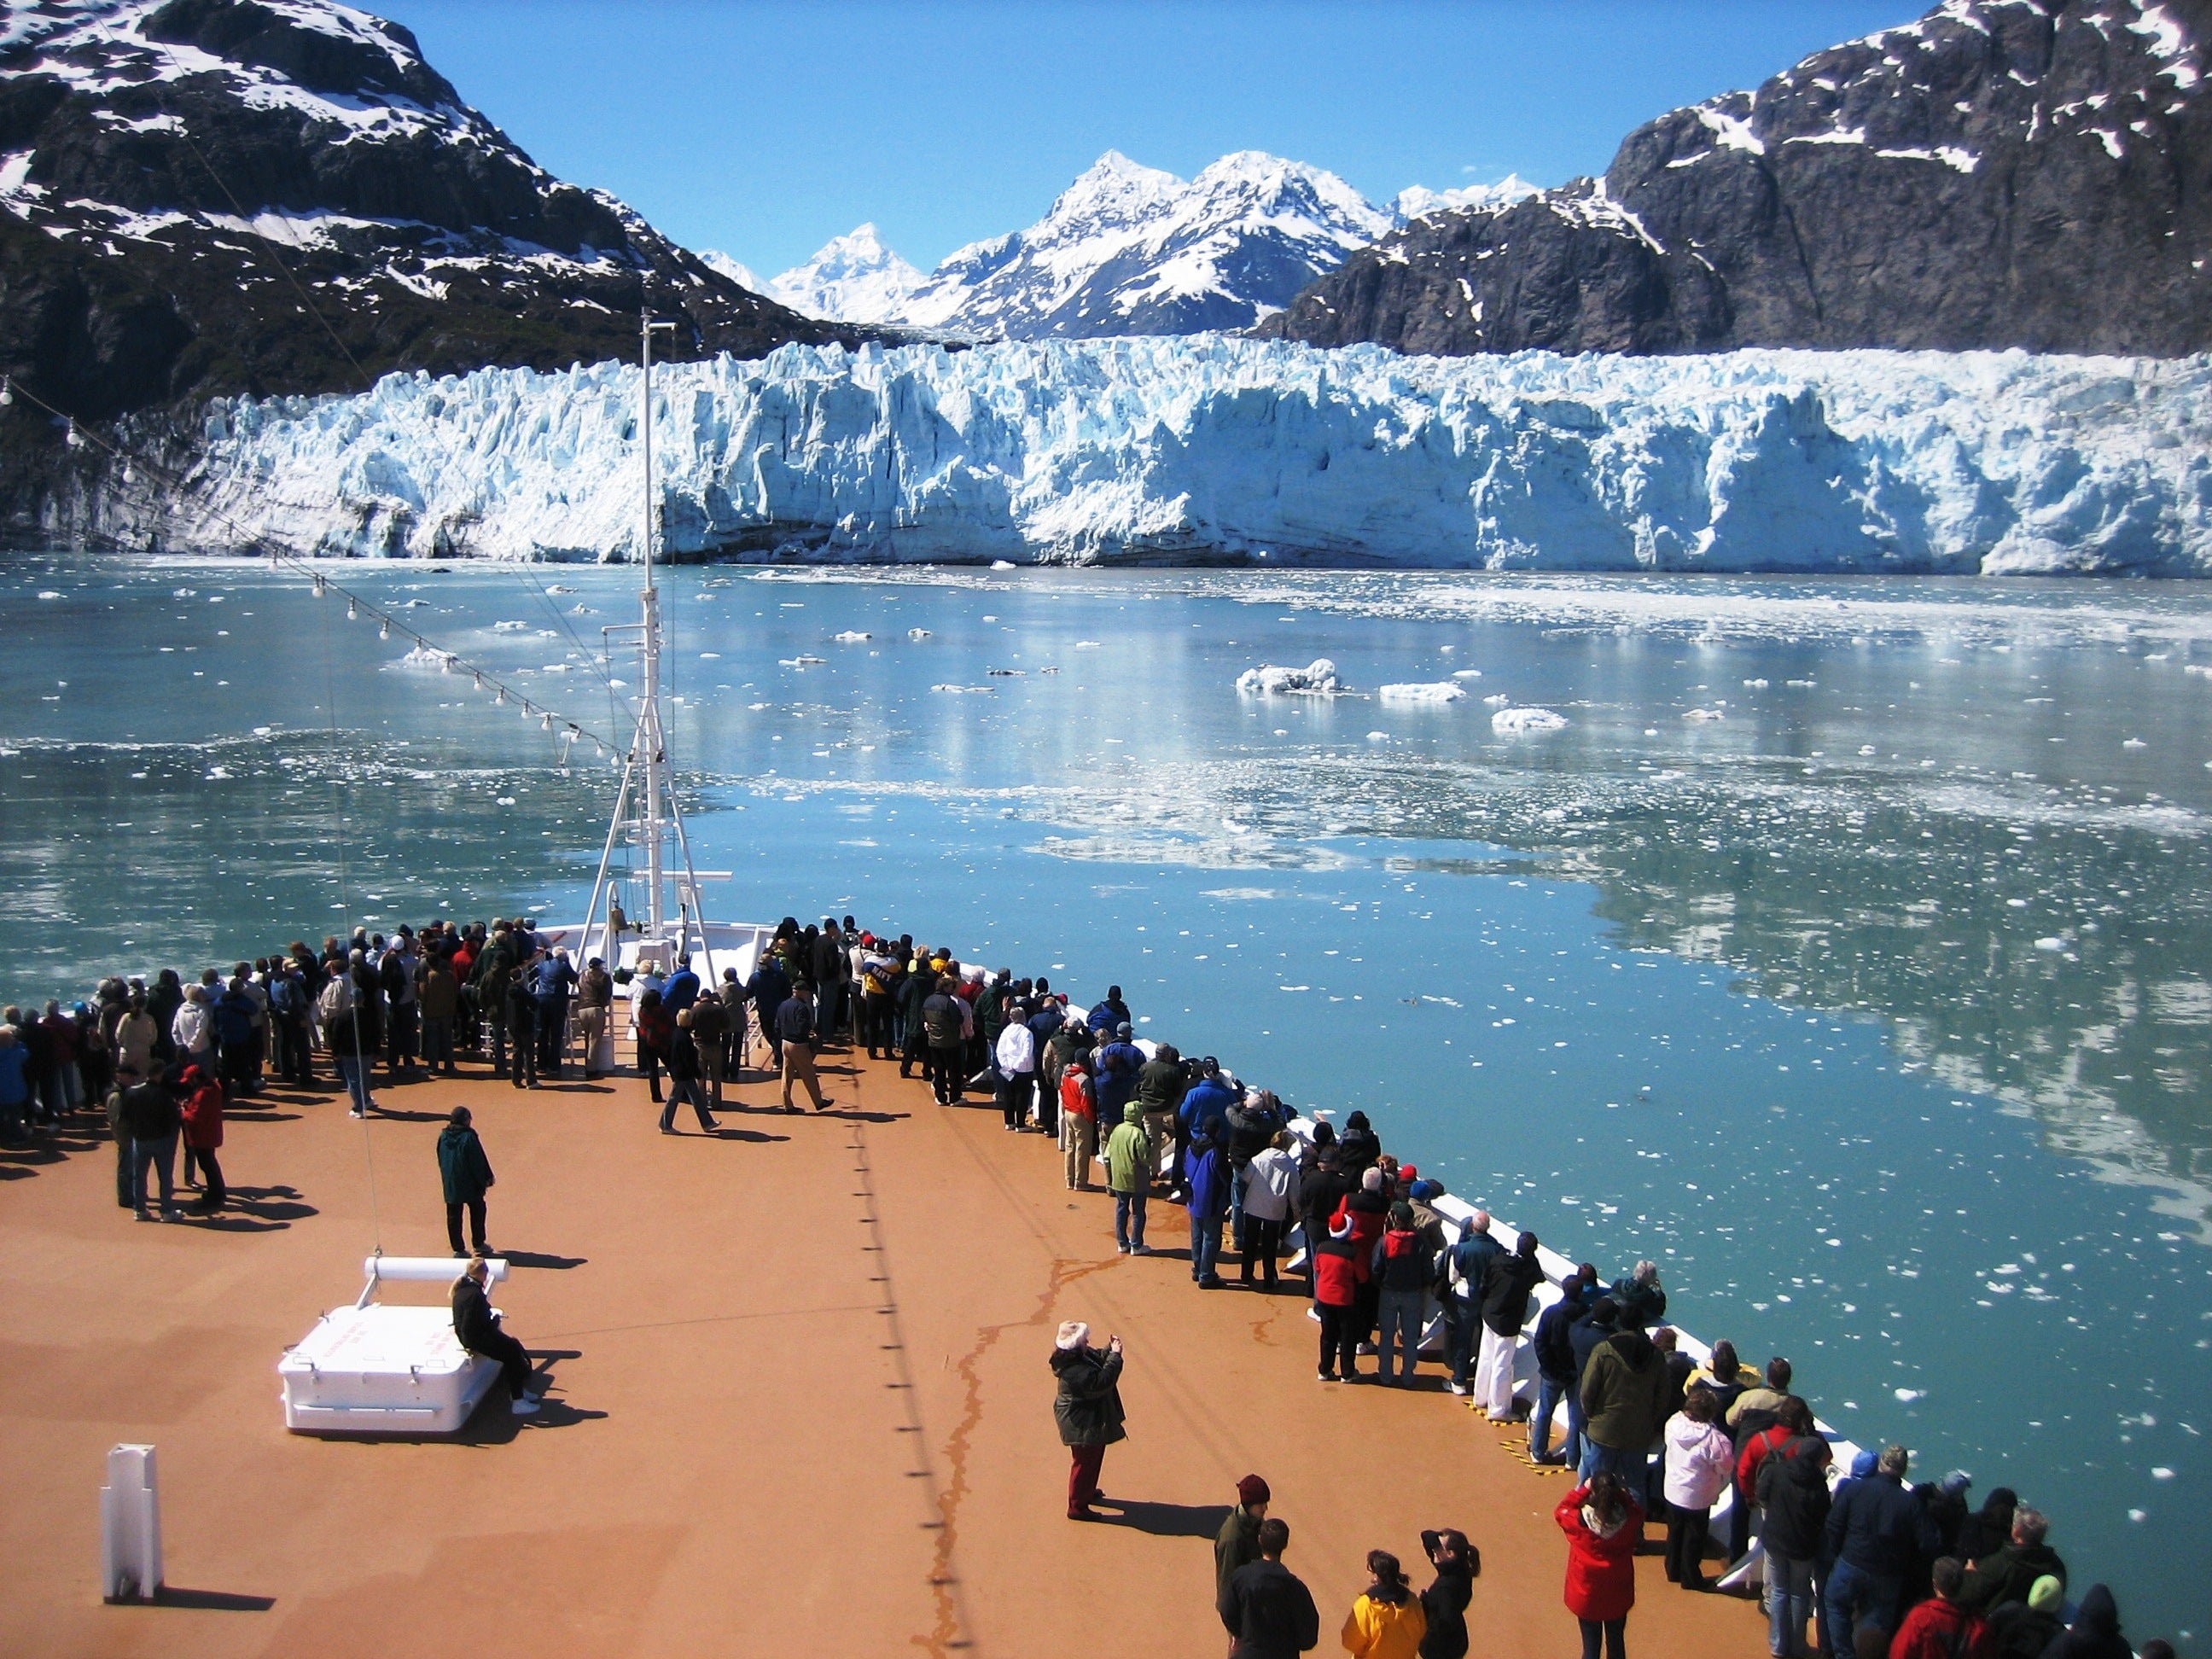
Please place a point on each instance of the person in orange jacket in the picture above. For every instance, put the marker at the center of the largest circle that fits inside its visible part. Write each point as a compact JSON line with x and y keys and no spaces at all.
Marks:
{"x":1603,"y":1525}
{"x":1388,"y":1620}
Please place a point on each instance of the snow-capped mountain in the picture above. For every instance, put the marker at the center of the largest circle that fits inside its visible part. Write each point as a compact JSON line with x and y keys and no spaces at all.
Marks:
{"x":736,"y":270}
{"x":1132,"y":250}
{"x":1216,"y":447}
{"x":175,"y":174}
{"x":2001,"y":172}
{"x":1417,"y":202}
{"x":854,"y":278}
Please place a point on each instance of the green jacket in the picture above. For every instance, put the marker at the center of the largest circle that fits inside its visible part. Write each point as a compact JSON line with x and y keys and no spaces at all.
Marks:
{"x":1129,"y":1160}
{"x":1625,"y":1392}
{"x":462,"y":1164}
{"x":1235,"y":1545}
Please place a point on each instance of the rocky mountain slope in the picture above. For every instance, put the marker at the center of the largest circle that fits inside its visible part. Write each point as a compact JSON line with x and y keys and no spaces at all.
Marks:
{"x":2001,"y":172}
{"x":181,"y":178}
{"x":1132,"y":250}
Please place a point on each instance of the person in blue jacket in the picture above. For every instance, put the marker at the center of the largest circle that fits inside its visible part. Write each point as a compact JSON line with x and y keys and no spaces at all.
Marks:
{"x":1207,"y":1178}
{"x":552,"y":982}
{"x":14,"y":1085}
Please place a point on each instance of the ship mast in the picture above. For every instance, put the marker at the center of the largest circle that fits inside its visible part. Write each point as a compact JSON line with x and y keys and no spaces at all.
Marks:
{"x":654,"y":756}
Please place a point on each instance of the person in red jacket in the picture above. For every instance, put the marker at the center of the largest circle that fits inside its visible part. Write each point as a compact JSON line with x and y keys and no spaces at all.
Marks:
{"x":1793,"y":1417}
{"x":1602,"y":1524}
{"x":1337,"y":1262}
{"x":202,"y":1109}
{"x":1938,"y":1628}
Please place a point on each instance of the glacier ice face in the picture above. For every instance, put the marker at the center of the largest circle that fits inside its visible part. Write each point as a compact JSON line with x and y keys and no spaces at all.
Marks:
{"x":1211,"y":447}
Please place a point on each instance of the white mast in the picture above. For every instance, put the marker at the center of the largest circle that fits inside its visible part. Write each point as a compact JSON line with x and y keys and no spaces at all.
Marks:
{"x":654,"y":748}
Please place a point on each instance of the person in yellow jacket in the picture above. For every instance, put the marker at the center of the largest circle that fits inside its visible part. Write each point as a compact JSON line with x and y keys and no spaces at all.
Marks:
{"x":1387,"y":1621}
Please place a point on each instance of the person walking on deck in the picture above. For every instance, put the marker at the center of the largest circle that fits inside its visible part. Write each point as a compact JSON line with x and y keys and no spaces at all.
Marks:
{"x":1267,"y":1610}
{"x":1079,"y":1122}
{"x":1088,"y":1409}
{"x":1387,"y":1621}
{"x":477,"y":1329}
{"x":465,"y":1173}
{"x":1603,"y":1526}
{"x":1237,"y":1544}
{"x":710,"y":1031}
{"x":795,"y":1032}
{"x":1129,"y":1166}
{"x":686,"y":1077}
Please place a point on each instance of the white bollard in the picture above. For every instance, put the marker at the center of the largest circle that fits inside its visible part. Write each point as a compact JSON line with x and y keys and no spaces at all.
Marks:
{"x":130,"y":1526}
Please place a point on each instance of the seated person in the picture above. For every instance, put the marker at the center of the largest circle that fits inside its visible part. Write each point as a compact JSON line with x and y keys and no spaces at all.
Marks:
{"x":477,"y":1327}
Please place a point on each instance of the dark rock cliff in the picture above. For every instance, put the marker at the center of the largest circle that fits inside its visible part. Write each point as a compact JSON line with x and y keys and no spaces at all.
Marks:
{"x":2034,"y":173}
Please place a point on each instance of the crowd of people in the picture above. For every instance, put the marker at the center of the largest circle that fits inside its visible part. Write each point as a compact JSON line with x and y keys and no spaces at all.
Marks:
{"x":1850,"y":1567}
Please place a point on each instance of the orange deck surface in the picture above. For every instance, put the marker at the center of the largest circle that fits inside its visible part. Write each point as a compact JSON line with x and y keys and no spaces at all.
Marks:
{"x":800,"y":1404}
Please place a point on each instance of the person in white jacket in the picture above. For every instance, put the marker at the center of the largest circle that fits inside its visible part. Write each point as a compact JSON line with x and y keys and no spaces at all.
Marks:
{"x":1271,"y":1193}
{"x":193,"y":1031}
{"x":1700,"y":1460}
{"x":1017,"y":1063}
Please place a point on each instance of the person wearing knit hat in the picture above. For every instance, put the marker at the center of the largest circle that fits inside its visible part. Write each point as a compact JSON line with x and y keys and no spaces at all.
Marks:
{"x":1336,"y":1289}
{"x":2023,"y":1630}
{"x":1238,"y":1540}
{"x":1088,"y":1409}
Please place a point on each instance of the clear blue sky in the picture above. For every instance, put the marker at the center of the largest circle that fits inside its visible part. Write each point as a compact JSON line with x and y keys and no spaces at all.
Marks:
{"x":765,"y":128}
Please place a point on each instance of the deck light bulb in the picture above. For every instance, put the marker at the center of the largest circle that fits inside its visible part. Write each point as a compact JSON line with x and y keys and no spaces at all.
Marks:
{"x":76,"y":438}
{"x":350,"y":612}
{"x":546,"y":724}
{"x":500,"y":700}
{"x":7,"y":390}
{"x":384,"y":630}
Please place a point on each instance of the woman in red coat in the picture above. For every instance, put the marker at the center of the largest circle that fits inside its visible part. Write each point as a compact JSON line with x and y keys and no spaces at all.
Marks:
{"x":1602,"y":1524}
{"x":202,"y":1110}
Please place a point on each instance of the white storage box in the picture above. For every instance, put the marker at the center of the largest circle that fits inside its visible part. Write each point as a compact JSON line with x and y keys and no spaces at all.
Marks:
{"x":375,"y":1368}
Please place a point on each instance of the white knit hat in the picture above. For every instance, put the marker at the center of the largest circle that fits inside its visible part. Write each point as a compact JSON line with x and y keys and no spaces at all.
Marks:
{"x":1073,"y":1335}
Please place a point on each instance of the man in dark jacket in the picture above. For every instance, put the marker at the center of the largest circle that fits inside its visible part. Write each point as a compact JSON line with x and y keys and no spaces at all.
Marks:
{"x":1467,"y":1269}
{"x":769,"y":990}
{"x":796,"y":1037}
{"x":1265,"y":1608}
{"x":1088,"y":1409}
{"x":553,"y":982}
{"x":1110,"y":1015}
{"x":1876,"y":1530}
{"x":148,"y":1114}
{"x":1624,"y":1389}
{"x":467,"y":1174}
{"x":1792,"y":1500}
{"x":476,"y":1327}
{"x":1506,"y":1287}
{"x":2011,"y":1572}
{"x":943,"y":1021}
{"x":1584,"y":1337}
{"x":1555,"y":1368}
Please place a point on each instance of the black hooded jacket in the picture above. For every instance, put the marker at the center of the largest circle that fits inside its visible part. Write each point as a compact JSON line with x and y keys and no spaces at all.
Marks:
{"x":2095,"y":1632}
{"x":1793,"y":1491}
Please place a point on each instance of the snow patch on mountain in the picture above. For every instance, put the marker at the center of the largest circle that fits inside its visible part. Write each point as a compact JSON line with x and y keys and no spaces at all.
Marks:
{"x":1132,"y":250}
{"x":1214,"y":447}
{"x":736,"y":270}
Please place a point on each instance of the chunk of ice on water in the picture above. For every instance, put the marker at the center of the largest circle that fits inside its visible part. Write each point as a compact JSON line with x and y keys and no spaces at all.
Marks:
{"x":1437,"y":691}
{"x":1527,"y":720}
{"x":849,"y":637}
{"x":1908,"y":1395}
{"x":1316,"y":680}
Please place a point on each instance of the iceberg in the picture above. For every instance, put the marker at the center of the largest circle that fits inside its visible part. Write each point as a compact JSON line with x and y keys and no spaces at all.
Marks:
{"x":1316,"y":680}
{"x":1210,"y":448}
{"x":1440,"y":691}
{"x":1527,"y":720}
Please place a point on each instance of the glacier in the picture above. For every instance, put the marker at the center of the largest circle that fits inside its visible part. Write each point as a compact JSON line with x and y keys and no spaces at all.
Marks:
{"x":1215,"y":448}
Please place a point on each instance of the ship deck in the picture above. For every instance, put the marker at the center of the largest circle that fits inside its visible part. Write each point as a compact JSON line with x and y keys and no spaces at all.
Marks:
{"x":800,"y":1404}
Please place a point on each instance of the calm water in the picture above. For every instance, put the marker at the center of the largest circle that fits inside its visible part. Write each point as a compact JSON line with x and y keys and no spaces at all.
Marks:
{"x":1878,"y":1009}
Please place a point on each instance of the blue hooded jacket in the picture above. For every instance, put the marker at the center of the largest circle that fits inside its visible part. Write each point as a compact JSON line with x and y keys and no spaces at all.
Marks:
{"x":1208,"y":1181}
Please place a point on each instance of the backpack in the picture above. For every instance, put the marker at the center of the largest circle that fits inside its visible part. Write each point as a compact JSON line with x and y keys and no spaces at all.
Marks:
{"x":336,"y":1001}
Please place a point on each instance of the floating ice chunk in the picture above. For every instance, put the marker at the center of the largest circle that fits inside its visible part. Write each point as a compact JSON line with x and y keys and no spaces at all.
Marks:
{"x":49,"y":594}
{"x":2138,"y":1514}
{"x":1908,"y":1395}
{"x":1466,"y":673}
{"x":1703,"y":714}
{"x":559,"y":587}
{"x":2134,"y":743}
{"x":1758,"y":685}
{"x":218,"y":772}
{"x":510,"y":628}
{"x":948,"y":687}
{"x":1086,"y":645}
{"x":1003,"y":564}
{"x":849,"y":637}
{"x":710,"y":656}
{"x":2050,"y":943}
{"x":1527,"y":720}
{"x":802,"y":662}
{"x":1316,"y":680}
{"x":428,"y":656}
{"x":2161,"y":1473}
{"x":1378,"y":737}
{"x":1439,"y":691}
{"x":1499,"y":700}
{"x":917,"y":633}
{"x":184,"y":593}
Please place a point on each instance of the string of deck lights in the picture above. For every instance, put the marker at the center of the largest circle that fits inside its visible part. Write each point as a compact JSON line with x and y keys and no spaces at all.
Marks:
{"x":570,"y":733}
